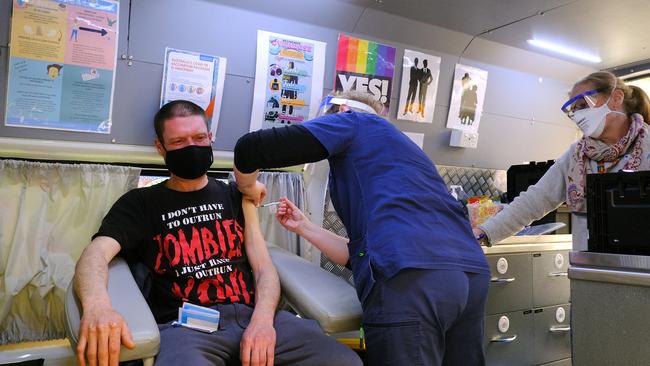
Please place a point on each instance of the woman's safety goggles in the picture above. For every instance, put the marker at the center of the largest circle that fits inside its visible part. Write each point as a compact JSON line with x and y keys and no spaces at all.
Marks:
{"x":580,"y":101}
{"x":330,"y":100}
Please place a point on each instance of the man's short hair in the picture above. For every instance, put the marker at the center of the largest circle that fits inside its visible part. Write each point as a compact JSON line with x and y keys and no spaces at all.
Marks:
{"x":365,"y":98}
{"x":176,"y":108}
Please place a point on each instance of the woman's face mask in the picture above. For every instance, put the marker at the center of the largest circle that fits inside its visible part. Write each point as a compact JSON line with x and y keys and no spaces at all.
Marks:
{"x":589,"y":118}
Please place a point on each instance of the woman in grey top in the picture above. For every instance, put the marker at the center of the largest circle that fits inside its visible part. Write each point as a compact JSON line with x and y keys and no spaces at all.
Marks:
{"x":613,"y":118}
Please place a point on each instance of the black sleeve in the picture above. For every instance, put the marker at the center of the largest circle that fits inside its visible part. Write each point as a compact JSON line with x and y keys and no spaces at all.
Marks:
{"x":125,"y":222}
{"x":277,"y":147}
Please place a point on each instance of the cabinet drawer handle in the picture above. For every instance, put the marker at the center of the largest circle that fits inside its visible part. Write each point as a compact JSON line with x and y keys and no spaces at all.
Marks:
{"x":502,"y":280}
{"x":560,"y":328}
{"x":504,"y":339}
{"x":558,"y":274}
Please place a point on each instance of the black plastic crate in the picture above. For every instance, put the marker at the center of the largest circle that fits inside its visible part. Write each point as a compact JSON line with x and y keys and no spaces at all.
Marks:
{"x":618,"y":212}
{"x":520,"y":177}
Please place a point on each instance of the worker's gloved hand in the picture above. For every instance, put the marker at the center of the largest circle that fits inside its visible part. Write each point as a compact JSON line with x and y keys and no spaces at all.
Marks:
{"x":290,"y":216}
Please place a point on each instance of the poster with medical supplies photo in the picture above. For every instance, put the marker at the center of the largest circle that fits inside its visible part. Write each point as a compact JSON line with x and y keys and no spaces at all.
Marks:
{"x":467,"y":98}
{"x":288,"y":80}
{"x":196,"y":77}
{"x":365,"y":66}
{"x":417,"y":98}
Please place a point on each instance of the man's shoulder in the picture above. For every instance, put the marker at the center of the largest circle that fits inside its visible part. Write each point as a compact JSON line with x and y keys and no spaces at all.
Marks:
{"x":147,"y":191}
{"x":225,"y":188}
{"x":220,"y":185}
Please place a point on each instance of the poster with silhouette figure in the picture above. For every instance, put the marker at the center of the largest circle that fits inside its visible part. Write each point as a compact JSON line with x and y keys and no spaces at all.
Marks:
{"x":365,"y":66}
{"x":467,"y":98}
{"x":417,"y":98}
{"x":62,"y":63}
{"x":288,"y":80}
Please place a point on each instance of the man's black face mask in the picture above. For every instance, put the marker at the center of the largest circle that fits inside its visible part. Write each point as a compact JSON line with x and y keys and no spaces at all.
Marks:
{"x":189,"y":162}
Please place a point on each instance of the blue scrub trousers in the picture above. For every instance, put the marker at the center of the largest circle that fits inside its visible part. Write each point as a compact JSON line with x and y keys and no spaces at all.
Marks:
{"x":426,"y":317}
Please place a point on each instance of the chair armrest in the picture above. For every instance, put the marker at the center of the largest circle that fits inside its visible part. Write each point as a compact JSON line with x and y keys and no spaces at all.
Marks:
{"x":317,"y":294}
{"x":127,"y":300}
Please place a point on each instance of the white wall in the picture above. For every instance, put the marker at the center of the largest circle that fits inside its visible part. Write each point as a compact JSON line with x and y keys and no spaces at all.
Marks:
{"x":521,"y":120}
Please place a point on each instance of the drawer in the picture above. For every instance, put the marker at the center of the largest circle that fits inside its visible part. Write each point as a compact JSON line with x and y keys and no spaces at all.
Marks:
{"x":552,"y":333}
{"x":511,"y":284}
{"x":509,"y":338}
{"x":551,"y":285}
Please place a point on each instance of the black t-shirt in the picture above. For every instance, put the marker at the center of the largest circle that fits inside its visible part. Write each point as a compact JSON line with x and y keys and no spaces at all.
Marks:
{"x":192,"y":242}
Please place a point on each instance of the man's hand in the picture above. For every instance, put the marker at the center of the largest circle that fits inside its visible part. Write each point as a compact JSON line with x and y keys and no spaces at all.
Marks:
{"x":258,"y":344}
{"x":255,"y":192}
{"x":290,"y":216}
{"x":101,"y":333}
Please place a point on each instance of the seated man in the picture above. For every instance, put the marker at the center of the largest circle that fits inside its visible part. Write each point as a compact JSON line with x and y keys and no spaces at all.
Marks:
{"x":203,"y":245}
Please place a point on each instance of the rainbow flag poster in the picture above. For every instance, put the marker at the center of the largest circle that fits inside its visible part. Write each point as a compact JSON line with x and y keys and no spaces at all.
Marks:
{"x":365,"y":66}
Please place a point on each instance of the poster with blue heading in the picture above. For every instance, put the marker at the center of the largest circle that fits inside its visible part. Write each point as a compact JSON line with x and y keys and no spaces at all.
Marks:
{"x":196,"y":77}
{"x":62,"y":64}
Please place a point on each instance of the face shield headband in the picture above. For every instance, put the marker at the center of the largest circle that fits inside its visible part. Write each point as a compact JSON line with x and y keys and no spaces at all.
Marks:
{"x":330,"y":100}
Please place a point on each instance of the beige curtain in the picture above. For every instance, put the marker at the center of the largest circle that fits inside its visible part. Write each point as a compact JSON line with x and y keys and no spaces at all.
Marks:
{"x":48,"y":213}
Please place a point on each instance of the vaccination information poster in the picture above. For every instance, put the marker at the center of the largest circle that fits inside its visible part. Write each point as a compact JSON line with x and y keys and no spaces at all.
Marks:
{"x":62,"y":64}
{"x":288,"y":80}
{"x":417,"y":98}
{"x":365,"y":66}
{"x":196,"y":77}
{"x":467,"y":98}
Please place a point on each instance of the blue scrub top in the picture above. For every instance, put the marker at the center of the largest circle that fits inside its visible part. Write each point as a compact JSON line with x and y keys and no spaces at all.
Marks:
{"x":392,"y":201}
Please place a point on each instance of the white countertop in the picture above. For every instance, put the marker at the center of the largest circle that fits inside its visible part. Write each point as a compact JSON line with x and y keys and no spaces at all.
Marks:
{"x":537,"y":243}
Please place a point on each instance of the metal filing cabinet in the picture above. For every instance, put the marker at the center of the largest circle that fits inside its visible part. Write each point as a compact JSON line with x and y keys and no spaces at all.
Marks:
{"x":509,"y":338}
{"x":528,"y":286}
{"x":550,"y":281}
{"x":611,"y":297}
{"x":552,"y":333}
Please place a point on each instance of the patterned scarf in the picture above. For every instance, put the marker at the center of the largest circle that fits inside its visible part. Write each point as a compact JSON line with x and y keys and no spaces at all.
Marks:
{"x":636,"y":143}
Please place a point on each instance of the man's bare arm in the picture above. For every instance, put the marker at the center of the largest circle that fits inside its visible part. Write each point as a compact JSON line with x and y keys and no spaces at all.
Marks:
{"x":102,"y":330}
{"x":258,"y":341}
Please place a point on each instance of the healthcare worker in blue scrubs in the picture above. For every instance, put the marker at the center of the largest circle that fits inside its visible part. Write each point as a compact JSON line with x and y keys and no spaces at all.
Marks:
{"x":420,"y":274}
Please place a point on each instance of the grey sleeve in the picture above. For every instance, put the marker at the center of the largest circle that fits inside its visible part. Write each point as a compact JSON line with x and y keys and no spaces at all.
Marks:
{"x":533,"y":204}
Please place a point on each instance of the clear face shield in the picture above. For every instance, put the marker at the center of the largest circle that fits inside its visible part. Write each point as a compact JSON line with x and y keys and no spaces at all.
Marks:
{"x":330,"y":101}
{"x":580,"y":102}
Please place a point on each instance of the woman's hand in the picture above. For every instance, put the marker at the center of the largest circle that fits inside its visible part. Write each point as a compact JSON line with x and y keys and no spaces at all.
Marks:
{"x":290,"y":216}
{"x":481,"y":237}
{"x":477,"y":232}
